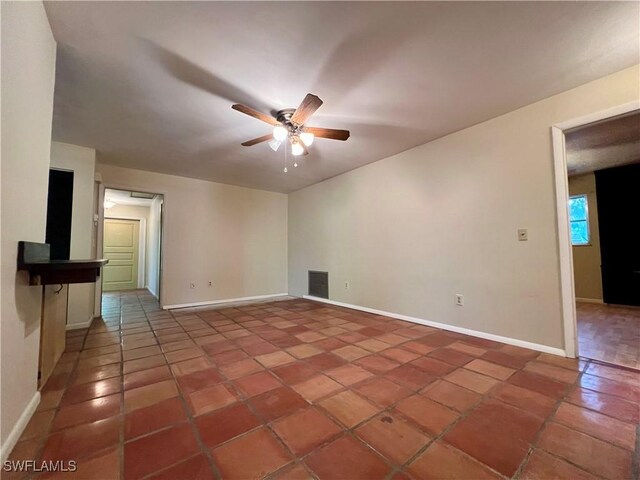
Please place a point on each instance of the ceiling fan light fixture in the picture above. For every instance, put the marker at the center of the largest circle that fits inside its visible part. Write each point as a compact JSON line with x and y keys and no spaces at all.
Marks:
{"x":296,"y":149}
{"x":275,"y":144}
{"x":307,"y":138}
{"x":280,"y":133}
{"x":290,"y":125}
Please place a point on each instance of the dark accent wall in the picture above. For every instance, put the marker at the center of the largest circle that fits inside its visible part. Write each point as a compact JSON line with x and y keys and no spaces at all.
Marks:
{"x":618,"y":206}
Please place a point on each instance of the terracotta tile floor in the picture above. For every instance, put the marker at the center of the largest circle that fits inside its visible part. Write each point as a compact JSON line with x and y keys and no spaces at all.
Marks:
{"x":609,"y":333}
{"x":296,"y":389}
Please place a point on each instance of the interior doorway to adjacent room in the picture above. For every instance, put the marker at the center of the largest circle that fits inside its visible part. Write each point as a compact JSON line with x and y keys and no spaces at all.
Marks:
{"x":132,"y":241}
{"x":603,"y":173}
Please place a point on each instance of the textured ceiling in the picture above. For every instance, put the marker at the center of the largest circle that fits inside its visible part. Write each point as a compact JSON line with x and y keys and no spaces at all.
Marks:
{"x":611,"y":143}
{"x":150,"y":85}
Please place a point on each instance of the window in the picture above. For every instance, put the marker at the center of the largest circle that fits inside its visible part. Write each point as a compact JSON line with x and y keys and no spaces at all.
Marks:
{"x":579,"y":219}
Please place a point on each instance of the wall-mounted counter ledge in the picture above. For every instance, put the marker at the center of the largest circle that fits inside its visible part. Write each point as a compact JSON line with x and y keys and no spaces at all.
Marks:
{"x":35,"y":259}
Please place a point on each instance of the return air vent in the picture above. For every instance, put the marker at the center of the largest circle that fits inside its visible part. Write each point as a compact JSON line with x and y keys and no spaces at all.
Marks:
{"x":318,"y":284}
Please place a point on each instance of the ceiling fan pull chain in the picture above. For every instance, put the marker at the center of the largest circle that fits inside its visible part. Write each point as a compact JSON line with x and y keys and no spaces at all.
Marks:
{"x":285,"y":160}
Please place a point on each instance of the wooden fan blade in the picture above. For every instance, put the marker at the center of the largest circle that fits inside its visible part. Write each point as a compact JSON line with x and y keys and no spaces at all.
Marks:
{"x":255,"y":114}
{"x":264,"y":138}
{"x":331,"y":133}
{"x":309,"y":105}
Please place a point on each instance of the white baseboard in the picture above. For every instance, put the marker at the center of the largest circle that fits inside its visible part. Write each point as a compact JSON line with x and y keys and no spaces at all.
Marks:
{"x":589,"y":300}
{"x":78,"y":326}
{"x":474,"y":333}
{"x":19,"y":427}
{"x":227,"y":300}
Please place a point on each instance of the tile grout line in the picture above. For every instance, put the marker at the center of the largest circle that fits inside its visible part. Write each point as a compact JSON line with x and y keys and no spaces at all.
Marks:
{"x":463,"y":415}
{"x":350,"y":431}
{"x":243,"y":399}
{"x":635,"y":465}
{"x":486,"y":395}
{"x":543,"y":427}
{"x":43,"y":439}
{"x":268,"y":424}
{"x":551,"y":419}
{"x":190,"y":419}
{"x":122,"y":423}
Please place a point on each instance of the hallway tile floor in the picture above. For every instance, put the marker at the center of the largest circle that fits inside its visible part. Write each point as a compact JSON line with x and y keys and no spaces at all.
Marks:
{"x":297,"y":389}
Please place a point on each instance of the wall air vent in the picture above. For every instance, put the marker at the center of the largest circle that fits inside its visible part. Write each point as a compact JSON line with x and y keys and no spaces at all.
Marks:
{"x":318,"y":284}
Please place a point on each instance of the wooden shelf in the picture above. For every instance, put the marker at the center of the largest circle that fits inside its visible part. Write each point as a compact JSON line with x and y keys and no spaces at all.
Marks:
{"x":34,"y":258}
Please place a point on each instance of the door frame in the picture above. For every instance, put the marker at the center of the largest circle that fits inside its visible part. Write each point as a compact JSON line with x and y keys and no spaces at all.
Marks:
{"x":567,"y":287}
{"x":142,"y":244}
{"x":163,"y":223}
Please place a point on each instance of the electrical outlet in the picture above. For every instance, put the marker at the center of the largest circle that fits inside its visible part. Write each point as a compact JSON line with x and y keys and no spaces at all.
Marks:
{"x":211,"y":284}
{"x":192,"y":284}
{"x":459,"y":299}
{"x":346,"y":285}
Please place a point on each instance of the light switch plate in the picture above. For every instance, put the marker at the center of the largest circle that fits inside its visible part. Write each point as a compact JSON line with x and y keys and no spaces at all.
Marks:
{"x":523,"y":235}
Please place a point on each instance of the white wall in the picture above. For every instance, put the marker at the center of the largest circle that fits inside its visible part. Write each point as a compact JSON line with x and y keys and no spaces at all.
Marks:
{"x":586,"y":258}
{"x":28,"y":67}
{"x":410,"y":231}
{"x":232,"y":236}
{"x":82,"y":161}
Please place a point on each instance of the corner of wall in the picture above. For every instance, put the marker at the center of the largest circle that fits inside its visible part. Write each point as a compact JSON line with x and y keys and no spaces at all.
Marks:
{"x":27,"y":108}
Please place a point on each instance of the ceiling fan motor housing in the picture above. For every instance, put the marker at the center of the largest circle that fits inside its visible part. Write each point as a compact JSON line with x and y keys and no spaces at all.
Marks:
{"x":284,"y":117}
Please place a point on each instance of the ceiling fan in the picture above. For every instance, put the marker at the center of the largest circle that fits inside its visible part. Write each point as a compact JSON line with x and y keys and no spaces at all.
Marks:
{"x":290,"y":125}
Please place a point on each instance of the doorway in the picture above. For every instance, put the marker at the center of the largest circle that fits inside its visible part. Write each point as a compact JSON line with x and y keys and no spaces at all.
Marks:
{"x":132,"y":241}
{"x":601,"y":160}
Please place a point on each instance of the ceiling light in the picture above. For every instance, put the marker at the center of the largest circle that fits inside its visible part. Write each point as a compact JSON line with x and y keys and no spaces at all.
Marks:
{"x":149,"y":196}
{"x":275,"y":144}
{"x":307,"y":138}
{"x":280,"y":133}
{"x":108,"y":204}
{"x":296,"y":149}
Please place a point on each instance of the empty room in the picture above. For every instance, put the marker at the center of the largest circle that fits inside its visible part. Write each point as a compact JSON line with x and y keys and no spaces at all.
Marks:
{"x":320,"y":240}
